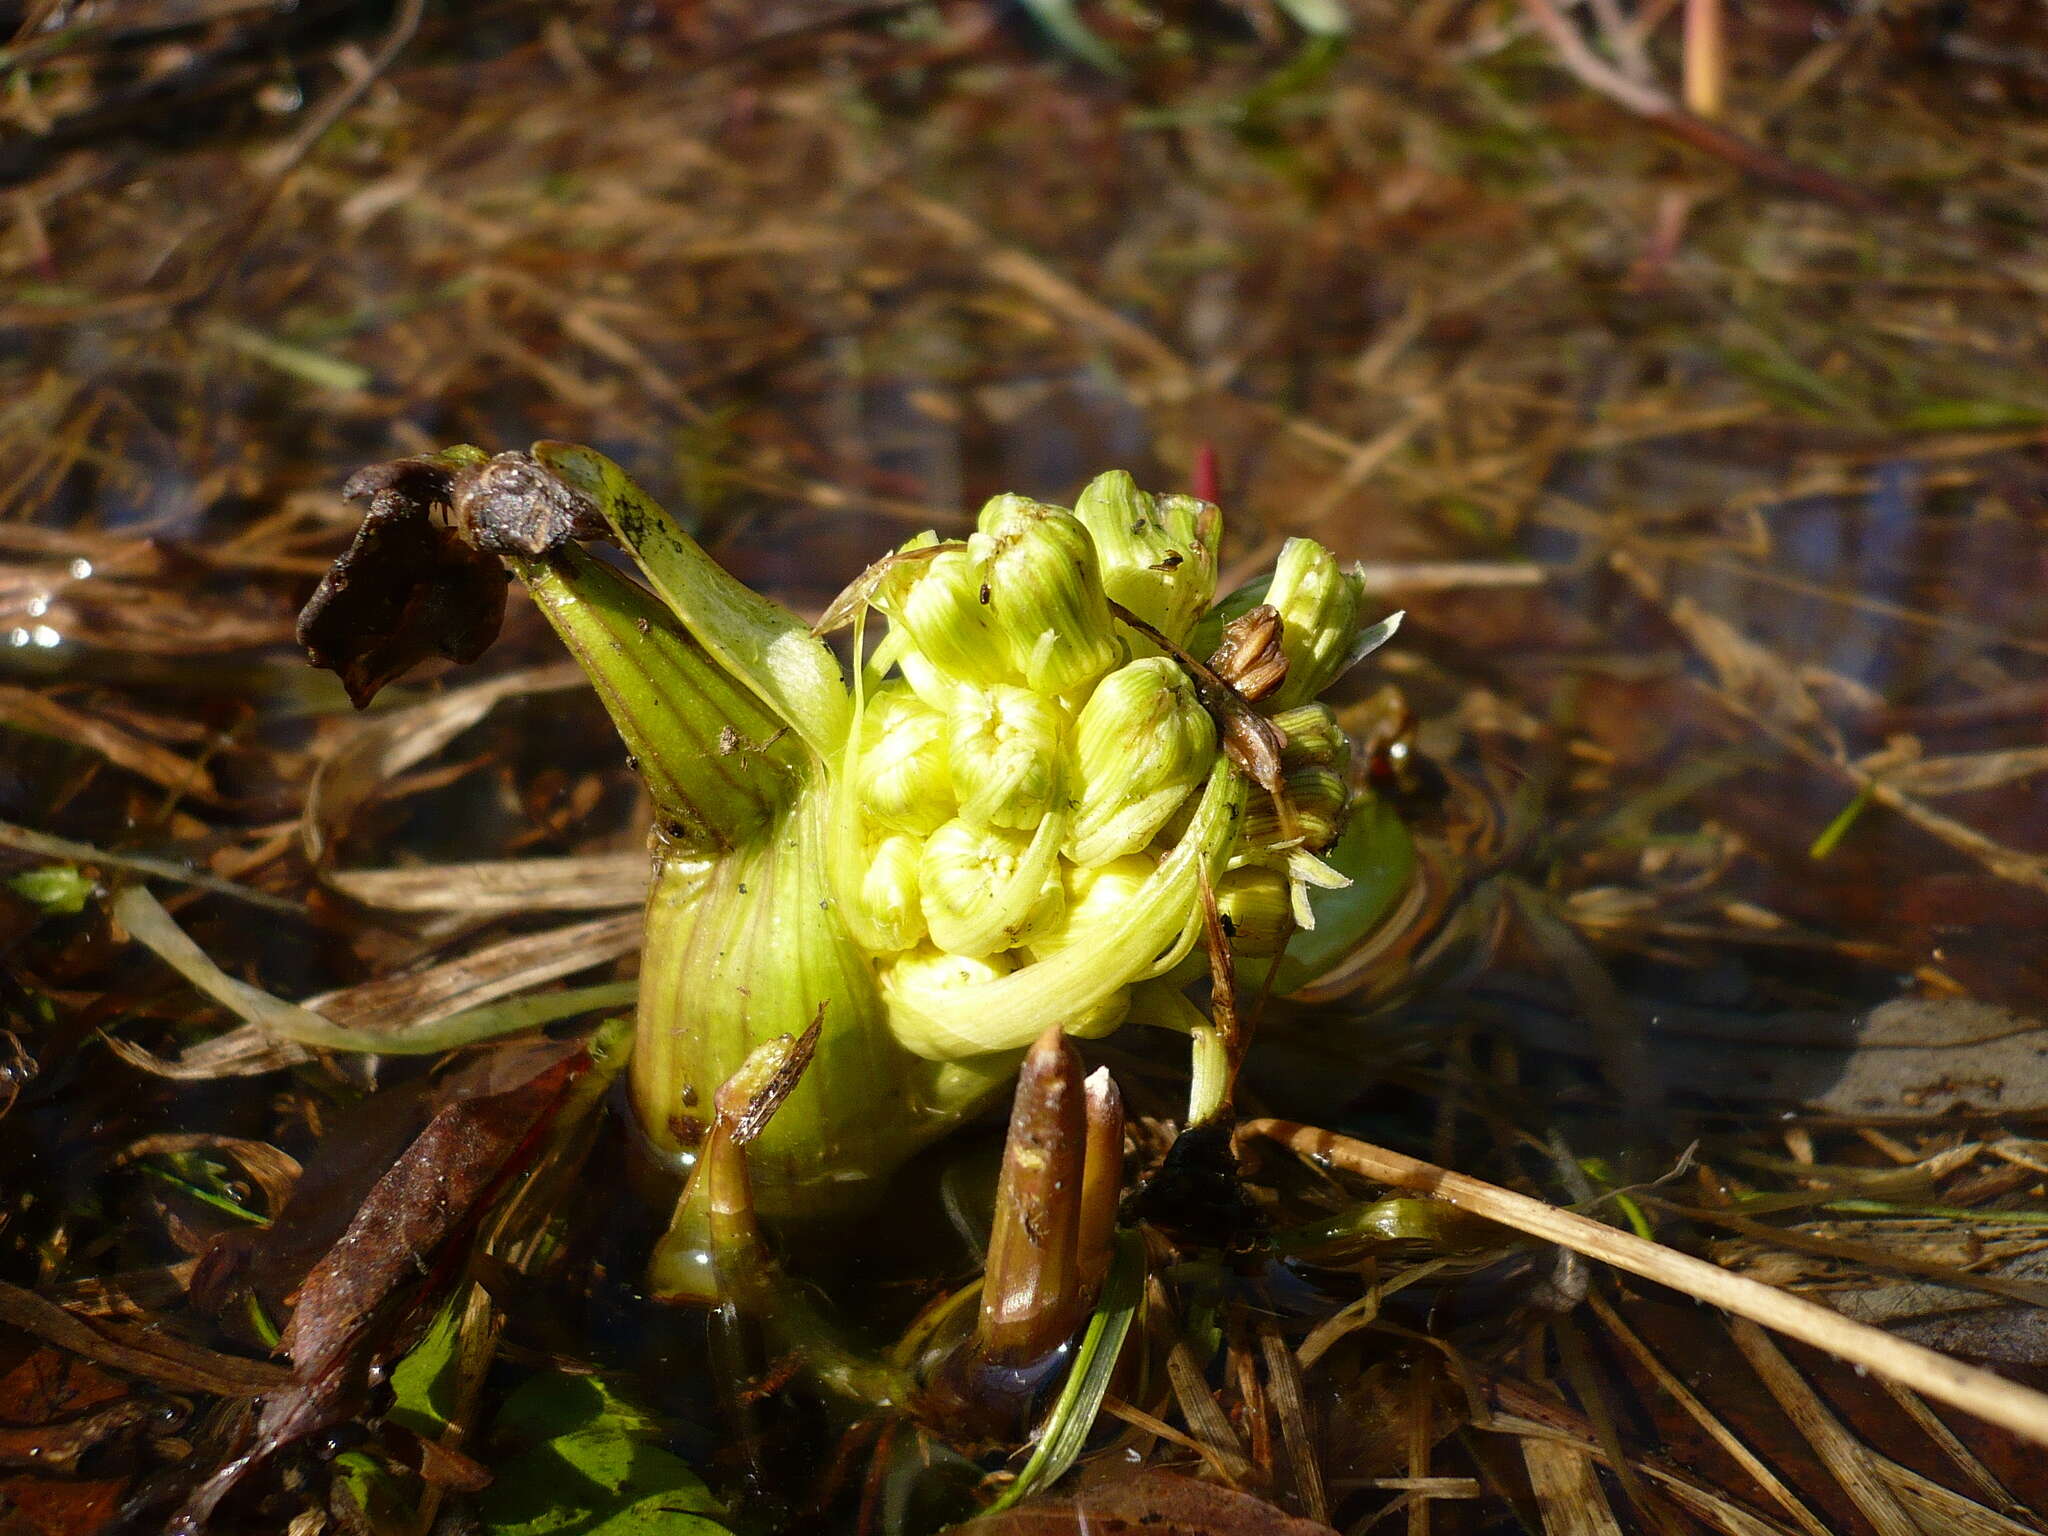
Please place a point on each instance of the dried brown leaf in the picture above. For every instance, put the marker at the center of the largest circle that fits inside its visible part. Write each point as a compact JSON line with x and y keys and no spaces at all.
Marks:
{"x":406,"y":589}
{"x":403,"y":1248}
{"x":55,"y":1447}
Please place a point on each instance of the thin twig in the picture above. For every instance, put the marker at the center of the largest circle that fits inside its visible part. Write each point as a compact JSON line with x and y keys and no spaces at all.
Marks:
{"x":2020,"y":1409}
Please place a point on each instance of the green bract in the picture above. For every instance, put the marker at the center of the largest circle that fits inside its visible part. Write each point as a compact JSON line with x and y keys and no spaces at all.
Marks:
{"x":1005,"y":820}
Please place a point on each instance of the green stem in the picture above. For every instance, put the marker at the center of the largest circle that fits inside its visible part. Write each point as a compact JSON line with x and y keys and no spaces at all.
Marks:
{"x":717,"y":761}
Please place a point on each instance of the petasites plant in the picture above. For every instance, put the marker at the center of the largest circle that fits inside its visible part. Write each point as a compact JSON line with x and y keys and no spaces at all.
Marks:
{"x":1016,"y":813}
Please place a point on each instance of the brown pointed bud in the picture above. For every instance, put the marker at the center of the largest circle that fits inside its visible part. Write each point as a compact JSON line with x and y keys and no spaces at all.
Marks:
{"x":1102,"y":1183}
{"x":1031,"y":1297}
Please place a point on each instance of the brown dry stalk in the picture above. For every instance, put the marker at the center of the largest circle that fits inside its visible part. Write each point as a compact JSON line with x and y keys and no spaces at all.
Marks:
{"x":2017,"y":1408}
{"x":1847,"y":1459}
{"x":1701,"y":1415}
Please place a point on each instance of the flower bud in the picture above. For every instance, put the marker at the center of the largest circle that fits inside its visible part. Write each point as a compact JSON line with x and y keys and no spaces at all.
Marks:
{"x":924,"y":971}
{"x":902,"y":777}
{"x":1003,"y":754}
{"x":889,"y":893}
{"x":1099,"y":1019}
{"x":1158,"y":553}
{"x":939,"y":601}
{"x":986,"y":888}
{"x":1317,"y":796}
{"x":1318,"y":605}
{"x":1257,"y":910}
{"x":1314,"y":739}
{"x":1045,"y":599}
{"x":1094,"y":896}
{"x":1142,"y":742}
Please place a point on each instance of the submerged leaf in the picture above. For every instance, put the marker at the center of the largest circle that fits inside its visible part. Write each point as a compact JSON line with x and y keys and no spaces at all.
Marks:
{"x":585,"y":1465}
{"x":61,"y":890}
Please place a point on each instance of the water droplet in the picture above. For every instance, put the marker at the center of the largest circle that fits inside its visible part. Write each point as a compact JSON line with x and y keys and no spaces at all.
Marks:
{"x":80,"y":569}
{"x":46,"y":636}
{"x":17,"y":637}
{"x":38,"y":606}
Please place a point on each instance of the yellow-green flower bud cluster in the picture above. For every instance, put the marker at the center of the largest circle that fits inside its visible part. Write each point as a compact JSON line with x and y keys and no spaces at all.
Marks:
{"x":1035,"y":737}
{"x":1158,"y":553}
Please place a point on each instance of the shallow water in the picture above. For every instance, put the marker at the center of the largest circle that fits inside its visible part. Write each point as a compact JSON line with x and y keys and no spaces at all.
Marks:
{"x":1717,"y":507}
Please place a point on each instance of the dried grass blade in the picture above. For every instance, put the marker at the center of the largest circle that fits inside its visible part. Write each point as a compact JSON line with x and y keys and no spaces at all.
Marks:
{"x":1007,"y":264}
{"x":145,"y":1351}
{"x":1568,"y":1495}
{"x":1585,"y":1384}
{"x":249,"y":1051}
{"x":2001,"y":859}
{"x":1720,"y":1513}
{"x":1966,"y":1462}
{"x":1965,"y":772}
{"x":1943,"y":1509}
{"x":1723,"y":1436}
{"x":1290,"y":1406}
{"x":144,"y":918}
{"x":579,"y":883}
{"x":1847,"y":1459}
{"x":468,"y":982}
{"x":1992,"y":1397}
{"x":386,"y":745}
{"x":23,"y":709}
{"x":252,"y":1050}
{"x":1450,"y":575}
{"x":1205,"y":1417}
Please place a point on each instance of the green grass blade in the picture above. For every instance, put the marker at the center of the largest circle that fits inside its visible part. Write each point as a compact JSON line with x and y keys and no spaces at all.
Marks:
{"x":1062,"y":22}
{"x":1066,"y":1428}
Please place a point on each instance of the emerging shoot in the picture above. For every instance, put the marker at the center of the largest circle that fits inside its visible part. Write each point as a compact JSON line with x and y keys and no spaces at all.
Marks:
{"x":1001,"y":826}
